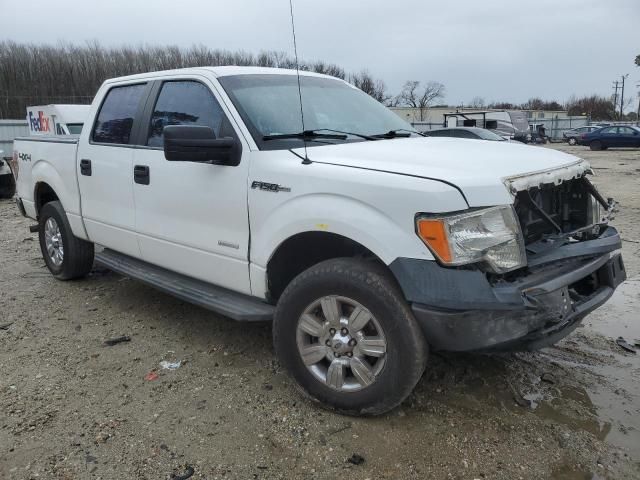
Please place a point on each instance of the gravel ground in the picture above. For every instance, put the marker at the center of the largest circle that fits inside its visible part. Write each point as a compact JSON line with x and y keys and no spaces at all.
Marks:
{"x":73,"y":408}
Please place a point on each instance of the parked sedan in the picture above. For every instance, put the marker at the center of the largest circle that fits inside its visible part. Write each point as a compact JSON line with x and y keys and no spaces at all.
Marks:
{"x":572,"y":136}
{"x":614,"y":136}
{"x":466,"y":132}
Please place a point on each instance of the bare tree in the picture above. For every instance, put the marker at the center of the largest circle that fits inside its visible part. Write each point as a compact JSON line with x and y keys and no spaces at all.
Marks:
{"x":421,"y":98}
{"x":476,"y":102}
{"x":369,"y":85}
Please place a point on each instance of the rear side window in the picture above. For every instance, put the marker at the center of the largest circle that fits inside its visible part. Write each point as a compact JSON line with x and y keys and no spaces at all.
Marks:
{"x":464,"y":134}
{"x":184,"y":103}
{"x":116,"y":115}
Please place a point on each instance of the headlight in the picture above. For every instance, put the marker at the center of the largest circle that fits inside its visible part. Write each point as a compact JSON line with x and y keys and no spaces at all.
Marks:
{"x":490,"y":235}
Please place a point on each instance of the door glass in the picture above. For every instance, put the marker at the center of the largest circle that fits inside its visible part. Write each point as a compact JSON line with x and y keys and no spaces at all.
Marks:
{"x":116,"y":115}
{"x":184,"y":103}
{"x":625,"y":131}
{"x":610,"y":130}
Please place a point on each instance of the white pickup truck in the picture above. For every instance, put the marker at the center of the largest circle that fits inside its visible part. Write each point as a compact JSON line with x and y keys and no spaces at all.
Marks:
{"x":365,"y":243}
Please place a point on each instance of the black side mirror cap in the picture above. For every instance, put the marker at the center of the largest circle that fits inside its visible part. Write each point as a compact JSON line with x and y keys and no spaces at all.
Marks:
{"x":198,"y":143}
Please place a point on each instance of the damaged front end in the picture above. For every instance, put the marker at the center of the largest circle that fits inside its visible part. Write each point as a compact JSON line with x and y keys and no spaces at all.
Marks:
{"x":573,"y":265}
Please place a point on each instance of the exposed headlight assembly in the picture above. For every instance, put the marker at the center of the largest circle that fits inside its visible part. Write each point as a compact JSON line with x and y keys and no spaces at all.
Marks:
{"x":489,"y":235}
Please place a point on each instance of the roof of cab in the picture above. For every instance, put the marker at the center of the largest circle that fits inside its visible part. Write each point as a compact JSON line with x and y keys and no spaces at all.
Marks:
{"x":224,"y":71}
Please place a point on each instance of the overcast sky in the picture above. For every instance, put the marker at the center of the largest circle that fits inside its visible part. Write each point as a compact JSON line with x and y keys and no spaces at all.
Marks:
{"x":495,"y":49}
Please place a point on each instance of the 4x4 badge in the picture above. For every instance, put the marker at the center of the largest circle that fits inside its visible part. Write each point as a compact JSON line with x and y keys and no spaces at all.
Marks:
{"x":269,"y":187}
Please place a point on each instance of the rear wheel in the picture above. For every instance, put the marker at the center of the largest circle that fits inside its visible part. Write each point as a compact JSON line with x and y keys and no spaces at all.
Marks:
{"x":596,"y":145}
{"x":572,"y":141}
{"x":347,"y":336}
{"x":66,"y":255}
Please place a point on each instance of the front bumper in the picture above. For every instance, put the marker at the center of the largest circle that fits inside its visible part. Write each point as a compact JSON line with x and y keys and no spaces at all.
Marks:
{"x":465,"y":310}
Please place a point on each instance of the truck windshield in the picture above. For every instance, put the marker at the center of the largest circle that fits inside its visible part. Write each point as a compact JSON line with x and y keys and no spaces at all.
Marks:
{"x":270,"y":106}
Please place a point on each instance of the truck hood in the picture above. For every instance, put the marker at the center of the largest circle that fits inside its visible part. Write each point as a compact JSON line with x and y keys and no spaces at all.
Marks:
{"x":487,"y":173}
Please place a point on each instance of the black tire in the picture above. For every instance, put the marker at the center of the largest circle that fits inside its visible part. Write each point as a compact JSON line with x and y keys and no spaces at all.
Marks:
{"x":77,"y":260}
{"x":7,"y":186}
{"x":372,"y":286}
{"x":572,"y":141}
{"x":595,"y":145}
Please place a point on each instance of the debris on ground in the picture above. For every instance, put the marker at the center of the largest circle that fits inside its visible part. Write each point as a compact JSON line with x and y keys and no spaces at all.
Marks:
{"x":151,"y":376}
{"x":188,"y":473}
{"x":166,"y":365}
{"x":356,"y":459}
{"x":116,"y":340}
{"x":5,"y":326}
{"x":547,"y":377}
{"x":622,"y":343}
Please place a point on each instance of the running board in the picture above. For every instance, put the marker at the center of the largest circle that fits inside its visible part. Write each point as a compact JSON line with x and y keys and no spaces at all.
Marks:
{"x":220,"y":300}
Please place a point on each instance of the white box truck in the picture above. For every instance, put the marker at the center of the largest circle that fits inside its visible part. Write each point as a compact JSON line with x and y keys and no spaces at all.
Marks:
{"x":56,"y":119}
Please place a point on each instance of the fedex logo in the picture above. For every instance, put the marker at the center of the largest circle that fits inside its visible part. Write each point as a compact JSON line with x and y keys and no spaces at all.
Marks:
{"x":39,"y":123}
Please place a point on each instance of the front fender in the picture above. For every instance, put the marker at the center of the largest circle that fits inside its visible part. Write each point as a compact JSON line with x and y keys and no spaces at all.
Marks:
{"x":342,"y":215}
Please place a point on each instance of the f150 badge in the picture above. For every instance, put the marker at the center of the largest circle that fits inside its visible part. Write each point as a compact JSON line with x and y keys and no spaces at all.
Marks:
{"x":269,"y":187}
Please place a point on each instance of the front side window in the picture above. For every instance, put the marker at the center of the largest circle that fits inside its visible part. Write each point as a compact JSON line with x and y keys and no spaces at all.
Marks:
{"x":625,"y":131}
{"x":115,"y":119}
{"x":184,"y":103}
{"x":270,"y":105}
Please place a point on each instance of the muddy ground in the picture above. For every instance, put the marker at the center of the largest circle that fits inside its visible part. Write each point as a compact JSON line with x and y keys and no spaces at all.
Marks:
{"x":72,"y":408}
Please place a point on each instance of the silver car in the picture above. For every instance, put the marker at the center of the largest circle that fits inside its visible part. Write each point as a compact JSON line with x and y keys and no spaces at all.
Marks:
{"x":572,"y":136}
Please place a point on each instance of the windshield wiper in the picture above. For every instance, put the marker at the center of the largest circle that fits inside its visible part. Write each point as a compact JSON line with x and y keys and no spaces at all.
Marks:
{"x":361,"y":135}
{"x":304,"y":135}
{"x":398,"y":133}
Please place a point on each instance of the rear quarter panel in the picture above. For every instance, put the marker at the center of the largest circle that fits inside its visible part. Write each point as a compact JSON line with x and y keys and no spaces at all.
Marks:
{"x":50,"y":161}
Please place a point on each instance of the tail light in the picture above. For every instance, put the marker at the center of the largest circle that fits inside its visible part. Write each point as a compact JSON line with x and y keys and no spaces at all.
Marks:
{"x":583,"y":136}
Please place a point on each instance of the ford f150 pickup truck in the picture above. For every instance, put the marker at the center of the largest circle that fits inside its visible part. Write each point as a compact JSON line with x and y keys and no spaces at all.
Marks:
{"x":365,"y":243}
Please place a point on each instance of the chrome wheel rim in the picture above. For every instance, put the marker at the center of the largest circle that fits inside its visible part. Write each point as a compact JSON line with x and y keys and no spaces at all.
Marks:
{"x":341,"y":343}
{"x":53,"y":242}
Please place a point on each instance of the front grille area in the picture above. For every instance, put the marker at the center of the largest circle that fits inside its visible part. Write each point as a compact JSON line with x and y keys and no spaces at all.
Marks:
{"x":554,"y":209}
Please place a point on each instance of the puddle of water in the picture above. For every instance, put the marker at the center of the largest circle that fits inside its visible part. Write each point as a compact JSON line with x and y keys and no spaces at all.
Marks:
{"x":619,"y":317}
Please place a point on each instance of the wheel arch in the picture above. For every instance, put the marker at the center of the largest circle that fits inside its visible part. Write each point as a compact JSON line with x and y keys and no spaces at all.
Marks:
{"x":43,"y":193}
{"x":301,"y":251}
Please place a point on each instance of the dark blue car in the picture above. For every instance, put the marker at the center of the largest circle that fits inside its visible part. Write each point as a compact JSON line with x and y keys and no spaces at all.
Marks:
{"x":613,"y":136}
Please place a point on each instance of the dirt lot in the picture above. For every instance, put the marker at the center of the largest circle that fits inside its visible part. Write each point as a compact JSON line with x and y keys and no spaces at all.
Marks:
{"x":72,"y":408}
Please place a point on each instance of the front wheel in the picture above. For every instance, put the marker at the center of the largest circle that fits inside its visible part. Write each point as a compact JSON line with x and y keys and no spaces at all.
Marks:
{"x":347,"y":336}
{"x":66,"y":255}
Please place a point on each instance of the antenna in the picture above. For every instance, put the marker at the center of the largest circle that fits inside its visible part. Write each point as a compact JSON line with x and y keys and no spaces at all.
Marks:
{"x":295,"y":51}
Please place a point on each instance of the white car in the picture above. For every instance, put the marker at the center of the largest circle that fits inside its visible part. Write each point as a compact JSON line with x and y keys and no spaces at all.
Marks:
{"x":365,"y":243}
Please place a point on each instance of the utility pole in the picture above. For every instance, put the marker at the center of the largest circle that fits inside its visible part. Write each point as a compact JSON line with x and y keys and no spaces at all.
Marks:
{"x":615,"y":97}
{"x":622,"y":96}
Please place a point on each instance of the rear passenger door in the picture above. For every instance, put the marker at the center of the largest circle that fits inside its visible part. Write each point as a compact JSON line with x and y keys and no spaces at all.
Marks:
{"x":191,"y":217}
{"x":608,"y":137}
{"x":105,"y":176}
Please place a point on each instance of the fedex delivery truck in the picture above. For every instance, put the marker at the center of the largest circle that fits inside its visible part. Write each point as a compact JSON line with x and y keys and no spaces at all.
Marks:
{"x":56,"y":119}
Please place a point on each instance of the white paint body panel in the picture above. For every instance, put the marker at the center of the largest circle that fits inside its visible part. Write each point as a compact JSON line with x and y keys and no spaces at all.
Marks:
{"x":192,"y":216}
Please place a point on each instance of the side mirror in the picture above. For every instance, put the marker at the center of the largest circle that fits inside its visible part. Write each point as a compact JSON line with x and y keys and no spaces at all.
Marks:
{"x":196,"y":143}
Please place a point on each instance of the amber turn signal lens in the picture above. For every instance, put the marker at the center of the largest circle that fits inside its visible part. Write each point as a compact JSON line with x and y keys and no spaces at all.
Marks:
{"x":433,"y":233}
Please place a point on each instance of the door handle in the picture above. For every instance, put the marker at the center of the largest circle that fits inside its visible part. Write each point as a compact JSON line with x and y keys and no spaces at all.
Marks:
{"x":141,"y":174}
{"x":85,"y":167}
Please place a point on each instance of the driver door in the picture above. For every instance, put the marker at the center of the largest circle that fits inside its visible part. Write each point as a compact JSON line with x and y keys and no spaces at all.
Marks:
{"x":191,"y":217}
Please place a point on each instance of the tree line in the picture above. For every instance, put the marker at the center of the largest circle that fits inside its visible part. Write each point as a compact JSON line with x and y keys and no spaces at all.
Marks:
{"x":33,"y":74}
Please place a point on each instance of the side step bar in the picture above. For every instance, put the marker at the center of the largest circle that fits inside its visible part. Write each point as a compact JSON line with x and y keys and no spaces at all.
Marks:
{"x":220,"y":300}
